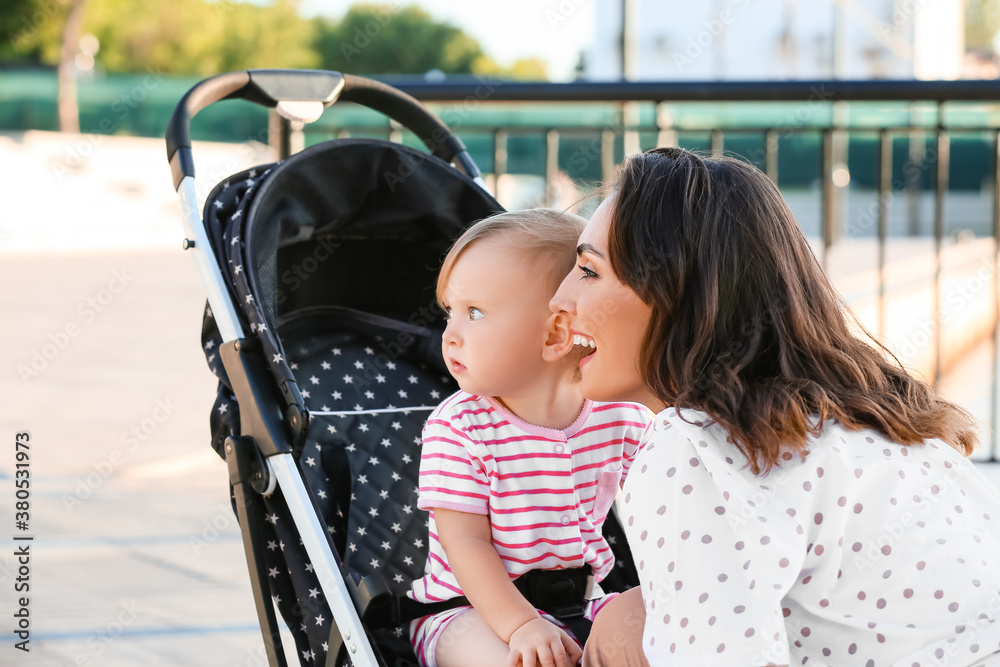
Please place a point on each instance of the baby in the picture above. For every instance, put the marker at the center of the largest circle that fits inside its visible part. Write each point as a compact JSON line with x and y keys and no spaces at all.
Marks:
{"x":517,"y":470}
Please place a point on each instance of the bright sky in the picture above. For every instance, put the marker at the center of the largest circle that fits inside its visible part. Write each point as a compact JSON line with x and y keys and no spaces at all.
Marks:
{"x":507,"y":30}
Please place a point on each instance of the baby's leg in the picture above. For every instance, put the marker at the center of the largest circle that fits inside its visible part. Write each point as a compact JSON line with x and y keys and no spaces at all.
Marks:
{"x":469,"y":640}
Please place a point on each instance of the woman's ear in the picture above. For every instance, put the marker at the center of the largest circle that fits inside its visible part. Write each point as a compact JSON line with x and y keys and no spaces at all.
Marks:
{"x":558,"y":339}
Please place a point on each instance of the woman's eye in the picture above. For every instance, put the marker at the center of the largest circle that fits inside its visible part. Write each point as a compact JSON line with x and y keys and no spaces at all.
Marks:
{"x":587,"y":272}
{"x":476,"y":314}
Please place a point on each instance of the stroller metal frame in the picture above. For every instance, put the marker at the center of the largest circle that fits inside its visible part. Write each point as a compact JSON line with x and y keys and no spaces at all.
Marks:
{"x":262,"y":455}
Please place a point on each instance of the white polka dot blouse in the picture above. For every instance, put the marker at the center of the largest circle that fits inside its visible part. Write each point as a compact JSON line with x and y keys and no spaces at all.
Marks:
{"x":865,"y":552}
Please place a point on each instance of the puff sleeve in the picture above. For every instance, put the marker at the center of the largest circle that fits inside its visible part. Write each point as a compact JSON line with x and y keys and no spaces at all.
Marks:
{"x":715,"y":558}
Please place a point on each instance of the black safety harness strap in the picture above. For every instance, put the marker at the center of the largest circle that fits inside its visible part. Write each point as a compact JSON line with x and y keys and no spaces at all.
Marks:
{"x":561,"y":593}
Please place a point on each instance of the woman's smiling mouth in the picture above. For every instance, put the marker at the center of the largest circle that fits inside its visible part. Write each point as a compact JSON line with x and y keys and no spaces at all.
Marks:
{"x":586,"y":346}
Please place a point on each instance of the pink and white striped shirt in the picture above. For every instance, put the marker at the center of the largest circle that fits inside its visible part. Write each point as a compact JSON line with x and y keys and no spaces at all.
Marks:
{"x":546,"y":492}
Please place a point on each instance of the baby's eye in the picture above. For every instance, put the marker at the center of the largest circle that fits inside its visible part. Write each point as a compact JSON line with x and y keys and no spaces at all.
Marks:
{"x":447,"y":313}
{"x":476,"y":314}
{"x":587,"y":272}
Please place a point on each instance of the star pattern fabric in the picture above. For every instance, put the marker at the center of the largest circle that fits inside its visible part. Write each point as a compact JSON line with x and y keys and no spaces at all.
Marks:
{"x":367,"y":404}
{"x":224,"y":217}
{"x":361,"y":463}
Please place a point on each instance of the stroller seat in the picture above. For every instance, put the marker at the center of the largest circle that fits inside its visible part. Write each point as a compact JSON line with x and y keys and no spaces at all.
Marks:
{"x":325,"y":334}
{"x":360,"y":460}
{"x":367,"y":381}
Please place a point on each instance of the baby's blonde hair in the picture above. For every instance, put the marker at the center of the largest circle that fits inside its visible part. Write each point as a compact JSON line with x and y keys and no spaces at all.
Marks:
{"x":534,"y":233}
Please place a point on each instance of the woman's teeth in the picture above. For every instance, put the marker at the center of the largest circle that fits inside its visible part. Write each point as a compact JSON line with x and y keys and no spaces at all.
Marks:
{"x":583,"y":340}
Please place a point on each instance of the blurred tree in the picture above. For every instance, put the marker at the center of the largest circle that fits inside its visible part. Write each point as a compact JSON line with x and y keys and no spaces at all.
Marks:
{"x":982,"y":22}
{"x":168,"y":36}
{"x":199,"y":37}
{"x":204,"y":37}
{"x":27,"y":26}
{"x":386,"y":39}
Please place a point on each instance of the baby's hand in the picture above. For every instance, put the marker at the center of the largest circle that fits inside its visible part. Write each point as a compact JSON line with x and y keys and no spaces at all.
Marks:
{"x":539,"y":643}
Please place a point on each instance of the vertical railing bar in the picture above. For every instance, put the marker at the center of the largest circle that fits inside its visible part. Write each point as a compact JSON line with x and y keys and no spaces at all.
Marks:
{"x":551,"y":163}
{"x":995,"y":352}
{"x":607,"y":155}
{"x":884,"y":192}
{"x":499,"y":159}
{"x":771,"y":155}
{"x":666,"y":135}
{"x":630,"y":125}
{"x":718,"y":142}
{"x":826,"y":196}
{"x":940,"y":190}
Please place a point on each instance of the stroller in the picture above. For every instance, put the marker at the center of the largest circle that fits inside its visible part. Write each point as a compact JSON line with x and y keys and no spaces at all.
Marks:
{"x":324,"y":331}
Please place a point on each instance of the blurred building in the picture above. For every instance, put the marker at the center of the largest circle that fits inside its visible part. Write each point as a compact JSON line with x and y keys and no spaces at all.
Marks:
{"x":781,"y":39}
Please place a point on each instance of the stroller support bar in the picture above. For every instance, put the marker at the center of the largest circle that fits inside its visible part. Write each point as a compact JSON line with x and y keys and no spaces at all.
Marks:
{"x":317,"y":545}
{"x":208,"y":268}
{"x":245,"y":464}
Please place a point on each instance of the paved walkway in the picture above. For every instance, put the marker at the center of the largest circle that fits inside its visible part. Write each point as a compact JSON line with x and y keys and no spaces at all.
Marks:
{"x":136,"y":558}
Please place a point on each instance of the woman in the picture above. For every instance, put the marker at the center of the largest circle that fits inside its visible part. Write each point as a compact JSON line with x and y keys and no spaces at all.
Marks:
{"x":803,"y":497}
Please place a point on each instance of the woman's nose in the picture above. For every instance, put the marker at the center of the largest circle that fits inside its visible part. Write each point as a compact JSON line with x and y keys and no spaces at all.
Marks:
{"x":564,"y":300}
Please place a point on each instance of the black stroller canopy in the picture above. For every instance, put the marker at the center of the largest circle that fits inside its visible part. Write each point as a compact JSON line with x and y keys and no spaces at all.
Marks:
{"x":387,"y":213}
{"x":354,"y":224}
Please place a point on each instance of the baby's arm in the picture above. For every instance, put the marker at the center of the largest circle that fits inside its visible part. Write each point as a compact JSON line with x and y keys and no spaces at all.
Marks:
{"x":467,"y":541}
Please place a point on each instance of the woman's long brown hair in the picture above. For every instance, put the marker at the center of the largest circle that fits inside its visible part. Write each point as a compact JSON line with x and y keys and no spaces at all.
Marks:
{"x":745,"y":325}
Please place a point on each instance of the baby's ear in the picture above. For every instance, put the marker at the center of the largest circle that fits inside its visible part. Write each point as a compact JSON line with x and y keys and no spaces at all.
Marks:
{"x":558,"y":339}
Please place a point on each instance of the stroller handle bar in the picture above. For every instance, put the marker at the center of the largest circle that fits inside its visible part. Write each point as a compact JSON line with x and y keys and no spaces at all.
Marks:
{"x":280,"y":88}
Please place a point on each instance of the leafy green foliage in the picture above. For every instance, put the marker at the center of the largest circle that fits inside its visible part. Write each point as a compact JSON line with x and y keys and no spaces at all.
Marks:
{"x":205,"y":37}
{"x":199,"y":37}
{"x":376,"y":39}
{"x":30,"y":30}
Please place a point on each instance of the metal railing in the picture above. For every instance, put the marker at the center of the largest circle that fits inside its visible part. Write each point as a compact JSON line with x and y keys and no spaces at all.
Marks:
{"x":828,"y":124}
